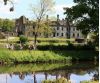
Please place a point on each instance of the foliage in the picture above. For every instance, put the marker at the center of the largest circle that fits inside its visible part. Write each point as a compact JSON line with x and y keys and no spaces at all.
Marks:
{"x":66,"y":47}
{"x":16,"y":46}
{"x":6,"y":25}
{"x":79,"y":55}
{"x":85,"y":15}
{"x":23,"y":39}
{"x":31,"y":56}
{"x":27,"y":56}
{"x":40,"y":10}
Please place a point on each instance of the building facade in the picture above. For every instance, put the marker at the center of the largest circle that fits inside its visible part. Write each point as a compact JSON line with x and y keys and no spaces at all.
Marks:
{"x":62,"y":29}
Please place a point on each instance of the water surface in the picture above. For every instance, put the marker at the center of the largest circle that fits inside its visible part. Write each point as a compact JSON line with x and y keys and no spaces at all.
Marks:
{"x":36,"y":73}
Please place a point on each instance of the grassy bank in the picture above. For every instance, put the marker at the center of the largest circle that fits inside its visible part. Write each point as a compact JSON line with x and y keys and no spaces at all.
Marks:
{"x":26,"y":56}
{"x":39,"y":40}
{"x":31,"y":56}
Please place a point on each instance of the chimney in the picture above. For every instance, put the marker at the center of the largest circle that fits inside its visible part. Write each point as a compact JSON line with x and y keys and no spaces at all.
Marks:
{"x":57,"y":16}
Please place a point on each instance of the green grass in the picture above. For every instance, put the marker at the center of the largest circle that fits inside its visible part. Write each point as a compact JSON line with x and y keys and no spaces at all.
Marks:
{"x":79,"y":55}
{"x":31,"y":56}
{"x":23,"y":56}
{"x":42,"y":40}
{"x":10,"y":40}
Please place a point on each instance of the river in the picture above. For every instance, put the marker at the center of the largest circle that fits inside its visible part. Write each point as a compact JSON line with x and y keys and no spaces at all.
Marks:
{"x":36,"y":73}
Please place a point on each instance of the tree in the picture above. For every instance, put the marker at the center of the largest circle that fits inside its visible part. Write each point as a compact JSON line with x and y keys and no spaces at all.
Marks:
{"x":40,"y":10}
{"x":7,"y":25}
{"x":1,"y":23}
{"x":85,"y":15}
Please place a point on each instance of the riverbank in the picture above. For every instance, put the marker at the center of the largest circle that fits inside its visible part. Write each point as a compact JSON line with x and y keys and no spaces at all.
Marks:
{"x":23,"y":72}
{"x":31,"y":56}
{"x":27,"y":56}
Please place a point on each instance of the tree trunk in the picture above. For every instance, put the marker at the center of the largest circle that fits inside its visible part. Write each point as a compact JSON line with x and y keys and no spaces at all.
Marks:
{"x":35,"y":43}
{"x":36,"y":33}
{"x":35,"y":79}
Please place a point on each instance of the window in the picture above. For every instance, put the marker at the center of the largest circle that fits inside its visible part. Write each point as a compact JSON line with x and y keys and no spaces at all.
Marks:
{"x":73,"y":29}
{"x":53,"y":34}
{"x":62,"y":28}
{"x":78,"y":35}
{"x":57,"y":28}
{"x":57,"y":34}
{"x":73,"y":35}
{"x":62,"y":34}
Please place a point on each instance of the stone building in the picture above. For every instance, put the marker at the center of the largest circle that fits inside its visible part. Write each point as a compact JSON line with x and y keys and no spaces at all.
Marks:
{"x":62,"y":29}
{"x":24,"y":27}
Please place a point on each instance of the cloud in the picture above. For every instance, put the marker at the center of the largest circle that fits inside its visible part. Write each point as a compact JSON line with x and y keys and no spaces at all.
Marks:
{"x":59,"y":8}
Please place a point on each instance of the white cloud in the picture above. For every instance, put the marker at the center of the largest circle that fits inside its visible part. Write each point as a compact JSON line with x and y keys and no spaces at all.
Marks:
{"x":59,"y":8}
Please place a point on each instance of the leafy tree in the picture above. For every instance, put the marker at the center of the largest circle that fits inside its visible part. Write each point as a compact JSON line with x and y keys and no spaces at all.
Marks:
{"x":40,"y":10}
{"x":23,"y":39}
{"x":85,"y":15}
{"x":1,"y":23}
{"x":7,"y":25}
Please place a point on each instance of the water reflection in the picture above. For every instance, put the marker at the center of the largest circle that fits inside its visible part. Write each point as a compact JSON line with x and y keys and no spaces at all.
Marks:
{"x":36,"y":73}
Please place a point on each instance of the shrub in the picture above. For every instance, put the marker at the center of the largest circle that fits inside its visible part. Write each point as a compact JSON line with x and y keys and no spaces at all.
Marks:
{"x":79,"y":40}
{"x":25,"y":46}
{"x":16,"y":47}
{"x":23,"y":39}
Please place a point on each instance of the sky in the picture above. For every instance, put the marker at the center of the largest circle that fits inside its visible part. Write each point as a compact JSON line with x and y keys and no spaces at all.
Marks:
{"x":22,"y":7}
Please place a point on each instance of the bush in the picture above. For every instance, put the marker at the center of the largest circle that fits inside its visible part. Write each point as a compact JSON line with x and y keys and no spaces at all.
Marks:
{"x":25,"y":46}
{"x":16,"y":47}
{"x":65,"y":47}
{"x":23,"y":39}
{"x":79,"y":40}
